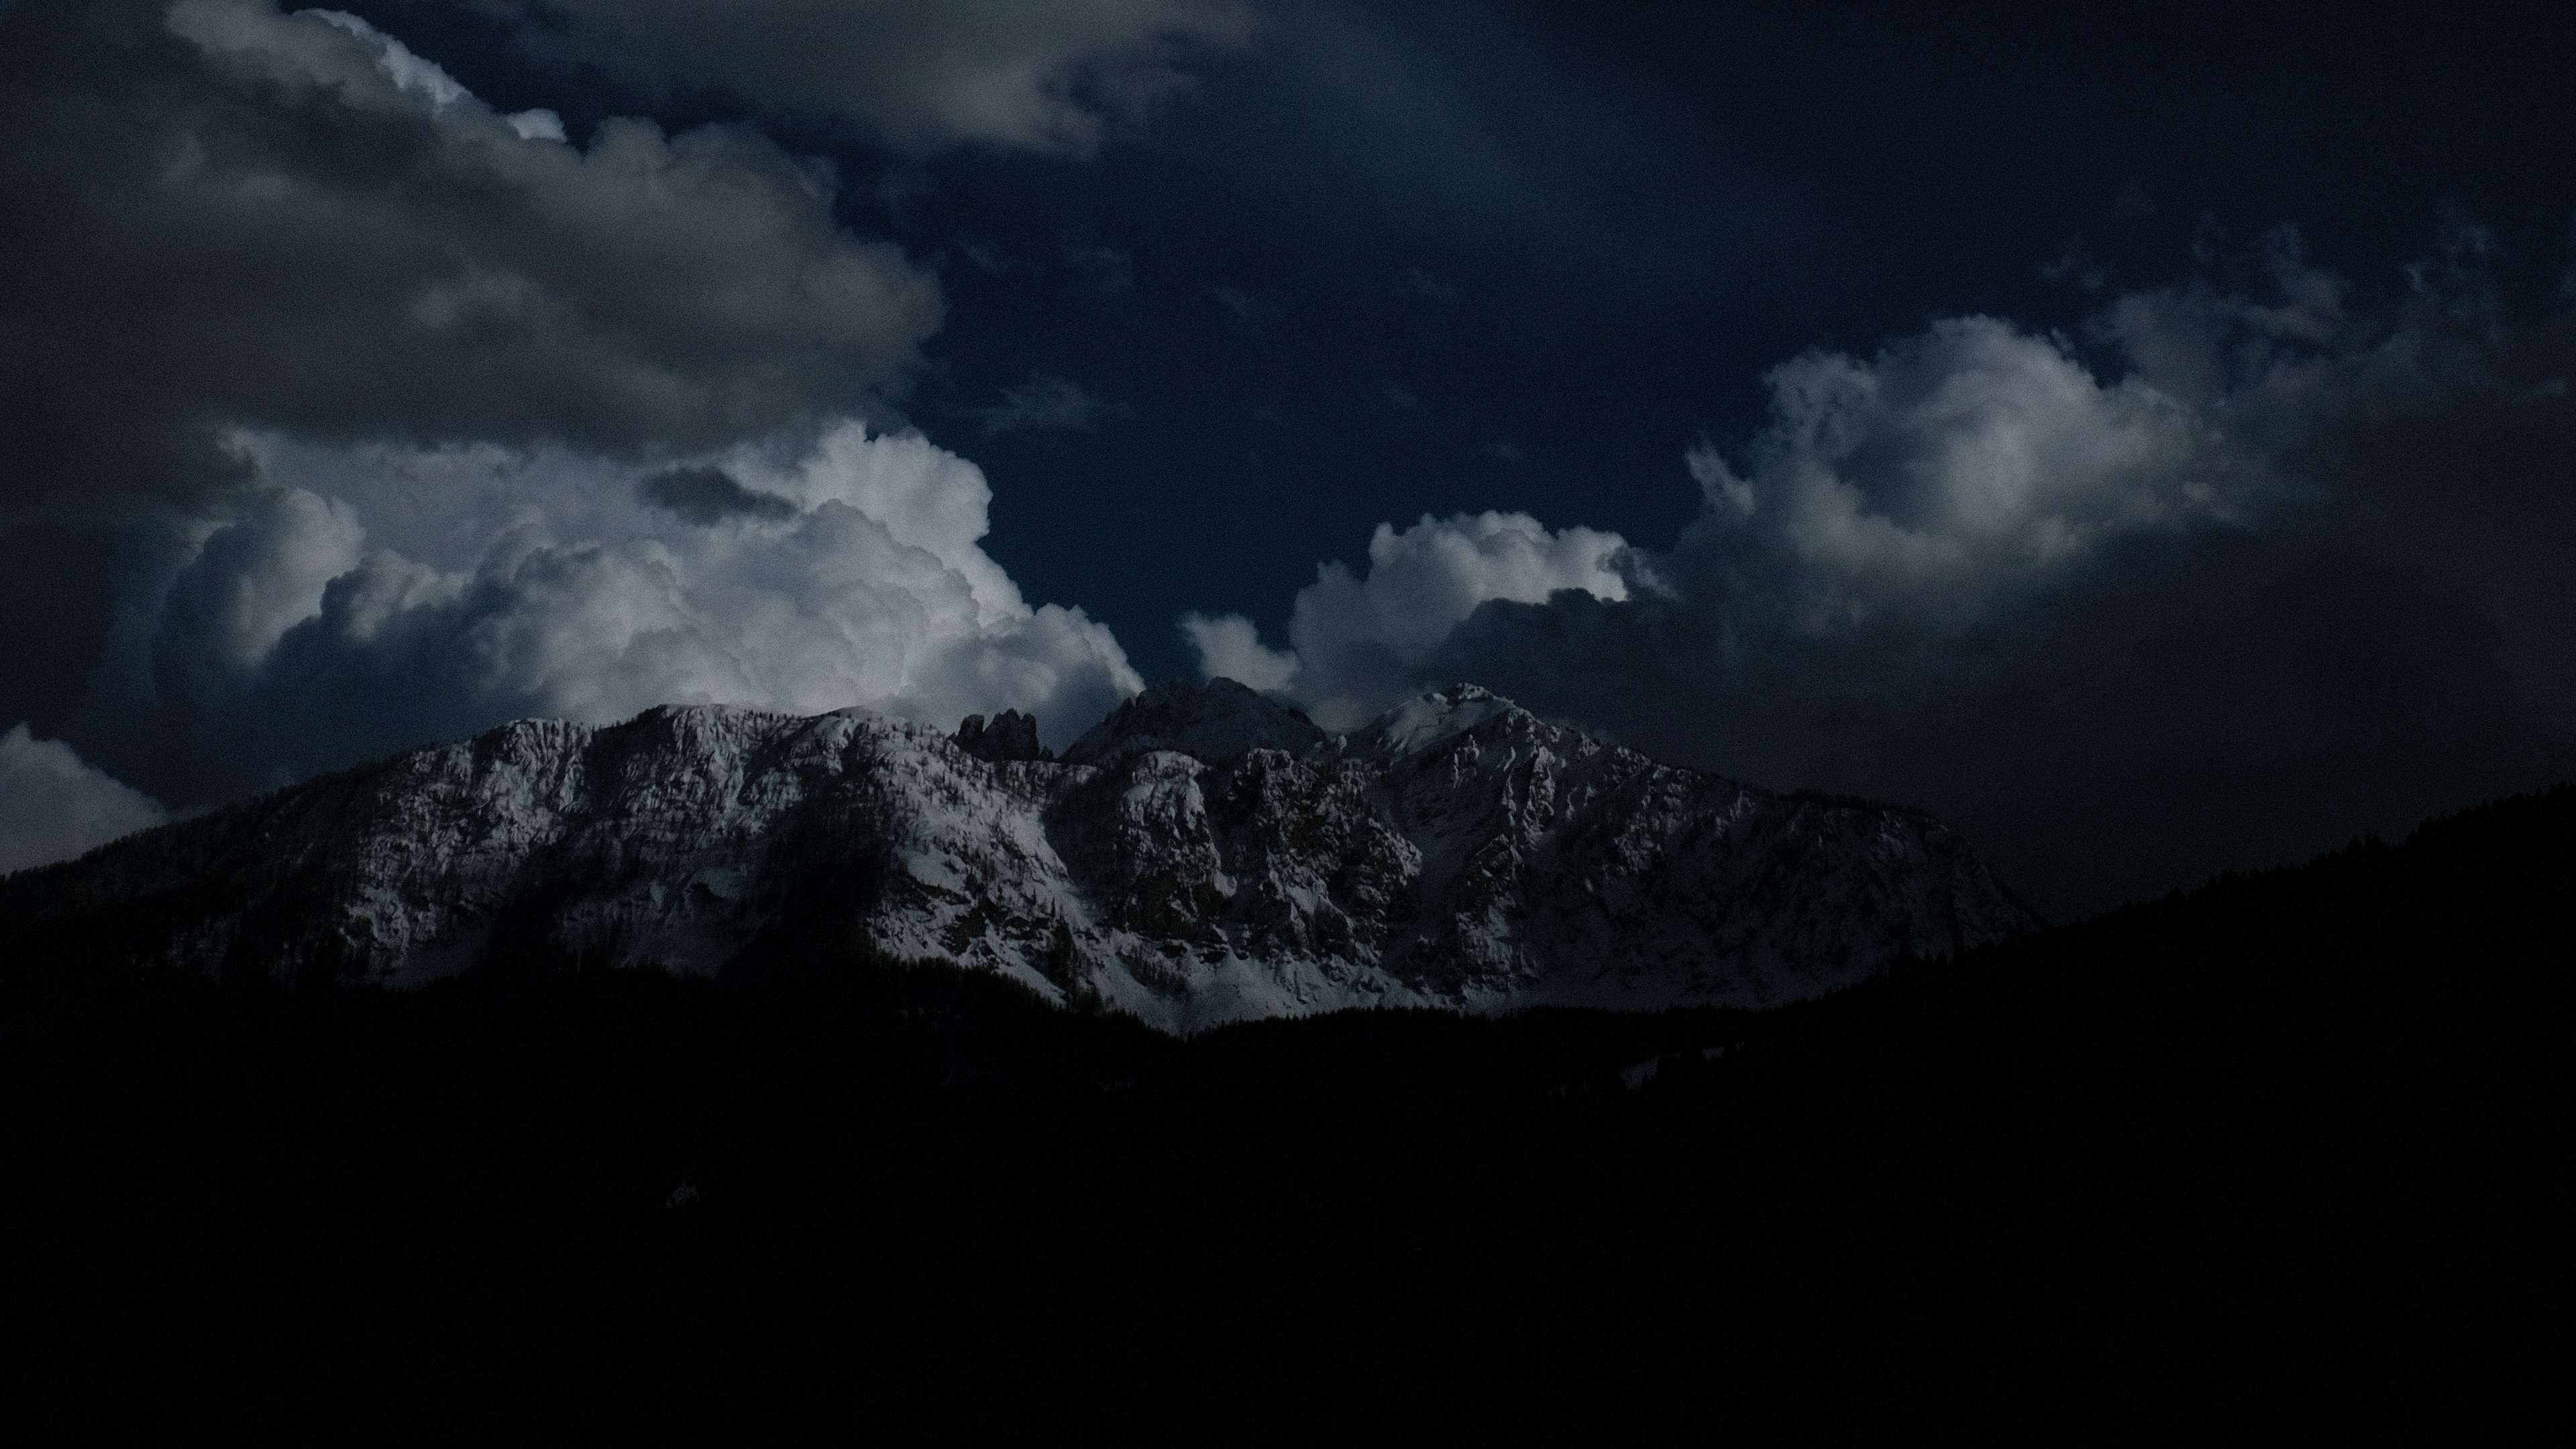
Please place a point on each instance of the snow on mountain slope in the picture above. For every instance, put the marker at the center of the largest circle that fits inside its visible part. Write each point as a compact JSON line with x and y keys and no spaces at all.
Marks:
{"x":1203,"y":855}
{"x":1214,"y":721}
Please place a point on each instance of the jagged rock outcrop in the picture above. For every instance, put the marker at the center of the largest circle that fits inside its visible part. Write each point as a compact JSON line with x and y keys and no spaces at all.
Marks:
{"x":1011,"y":736}
{"x":1205,"y":854}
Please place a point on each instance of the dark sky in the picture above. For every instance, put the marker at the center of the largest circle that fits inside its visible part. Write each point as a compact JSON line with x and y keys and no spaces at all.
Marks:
{"x":2140,"y":434}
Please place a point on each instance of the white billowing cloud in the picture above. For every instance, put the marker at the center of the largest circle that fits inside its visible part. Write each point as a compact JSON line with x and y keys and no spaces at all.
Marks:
{"x":1423,"y":581}
{"x":517,"y":426}
{"x":1354,"y":638}
{"x":372,"y":597}
{"x":407,"y":71}
{"x":536,"y":125}
{"x":1229,"y":647}
{"x":1039,"y":75}
{"x":1952,"y":473}
{"x":2247,"y":575}
{"x":1719,"y":488}
{"x":260,"y":575}
{"x":53,"y":807}
{"x":925,"y":497}
{"x":1954,"y":462}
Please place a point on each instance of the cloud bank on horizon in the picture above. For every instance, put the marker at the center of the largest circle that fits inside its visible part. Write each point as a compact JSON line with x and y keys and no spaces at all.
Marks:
{"x":2291,"y":566}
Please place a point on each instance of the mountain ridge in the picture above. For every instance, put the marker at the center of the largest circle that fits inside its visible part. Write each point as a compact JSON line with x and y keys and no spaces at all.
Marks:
{"x":1203,"y":855}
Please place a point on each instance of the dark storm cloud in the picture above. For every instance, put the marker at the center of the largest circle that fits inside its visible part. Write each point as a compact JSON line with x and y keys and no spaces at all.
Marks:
{"x":243,"y":217}
{"x":2282,"y":570}
{"x":925,"y":75}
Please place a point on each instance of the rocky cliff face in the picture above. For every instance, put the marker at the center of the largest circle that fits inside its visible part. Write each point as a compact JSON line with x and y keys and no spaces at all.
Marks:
{"x":1203,"y":855}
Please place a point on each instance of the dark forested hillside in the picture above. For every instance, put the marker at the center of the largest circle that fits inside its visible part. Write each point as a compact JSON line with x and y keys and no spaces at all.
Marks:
{"x":2277,"y":1107}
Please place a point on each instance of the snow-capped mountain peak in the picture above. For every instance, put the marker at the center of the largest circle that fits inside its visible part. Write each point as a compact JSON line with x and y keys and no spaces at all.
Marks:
{"x":1205,"y":854}
{"x":1214,"y":721}
{"x":1424,"y":721}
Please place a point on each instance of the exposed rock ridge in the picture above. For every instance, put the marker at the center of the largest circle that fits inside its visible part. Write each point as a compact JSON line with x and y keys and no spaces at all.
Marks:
{"x":1205,"y":854}
{"x":1011,"y":736}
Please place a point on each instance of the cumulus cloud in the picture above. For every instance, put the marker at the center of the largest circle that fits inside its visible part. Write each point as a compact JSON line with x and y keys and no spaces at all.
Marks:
{"x":53,"y":807}
{"x":1358,"y":640}
{"x":1972,"y":458}
{"x":2240,"y":573}
{"x":1056,"y":76}
{"x":1229,"y":647}
{"x":370,"y":598}
{"x":360,"y":414}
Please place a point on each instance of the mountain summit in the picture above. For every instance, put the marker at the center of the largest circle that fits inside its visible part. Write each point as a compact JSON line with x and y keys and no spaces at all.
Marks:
{"x":1203,"y":855}
{"x":1214,"y":722}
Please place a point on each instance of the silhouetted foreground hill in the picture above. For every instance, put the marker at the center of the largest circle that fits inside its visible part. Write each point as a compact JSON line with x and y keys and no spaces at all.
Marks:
{"x":2304,"y":1121}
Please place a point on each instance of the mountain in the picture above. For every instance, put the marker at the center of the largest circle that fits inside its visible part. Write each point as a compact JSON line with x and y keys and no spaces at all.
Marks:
{"x":1203,"y":855}
{"x":2284,"y":1137}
